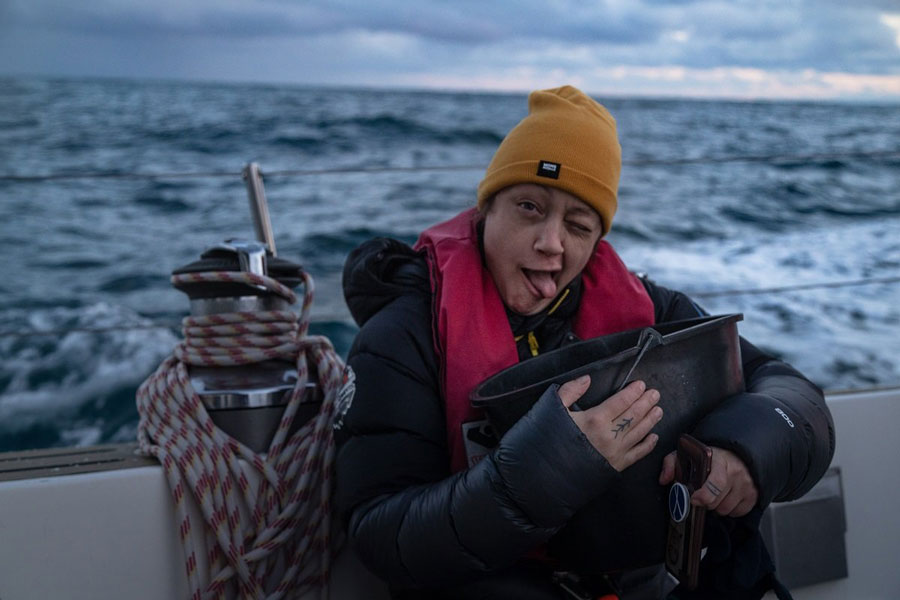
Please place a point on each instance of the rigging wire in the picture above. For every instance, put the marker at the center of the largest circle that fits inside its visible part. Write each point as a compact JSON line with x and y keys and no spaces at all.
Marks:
{"x":794,"y":288}
{"x":770,"y":158}
{"x":642,"y":162}
{"x":172,"y":325}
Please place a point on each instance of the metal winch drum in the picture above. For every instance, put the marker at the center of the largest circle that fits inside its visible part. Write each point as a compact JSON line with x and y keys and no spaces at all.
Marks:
{"x":246,"y":401}
{"x":694,"y":364}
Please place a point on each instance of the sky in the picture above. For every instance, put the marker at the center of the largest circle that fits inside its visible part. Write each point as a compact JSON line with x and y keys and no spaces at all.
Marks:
{"x":745,"y":49}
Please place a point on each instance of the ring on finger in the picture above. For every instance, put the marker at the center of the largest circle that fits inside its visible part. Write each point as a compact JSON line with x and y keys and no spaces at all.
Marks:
{"x":713,"y":488}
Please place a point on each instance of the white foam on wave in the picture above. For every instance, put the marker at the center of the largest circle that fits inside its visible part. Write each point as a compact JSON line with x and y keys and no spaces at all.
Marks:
{"x":841,"y":337}
{"x":51,"y":375}
{"x":82,"y":436}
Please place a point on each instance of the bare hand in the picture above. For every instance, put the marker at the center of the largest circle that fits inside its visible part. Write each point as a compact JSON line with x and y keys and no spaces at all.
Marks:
{"x":729,"y":490}
{"x":619,"y":427}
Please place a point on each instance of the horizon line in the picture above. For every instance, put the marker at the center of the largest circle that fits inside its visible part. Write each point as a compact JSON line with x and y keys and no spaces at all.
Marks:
{"x":438,"y":89}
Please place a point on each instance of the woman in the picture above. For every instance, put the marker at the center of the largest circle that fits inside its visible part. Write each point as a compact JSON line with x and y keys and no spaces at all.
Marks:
{"x":432,"y":504}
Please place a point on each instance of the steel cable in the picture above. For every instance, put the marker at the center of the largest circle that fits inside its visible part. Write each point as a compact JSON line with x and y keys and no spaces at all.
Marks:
{"x":642,"y":162}
{"x":251,"y":327}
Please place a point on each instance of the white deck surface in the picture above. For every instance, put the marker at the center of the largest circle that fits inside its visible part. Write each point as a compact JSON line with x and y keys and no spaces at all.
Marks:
{"x":111,"y":534}
{"x":868,"y":452}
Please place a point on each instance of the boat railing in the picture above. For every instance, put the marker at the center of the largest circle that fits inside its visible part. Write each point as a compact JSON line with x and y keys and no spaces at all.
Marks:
{"x":635,"y":162}
{"x":176,"y":325}
{"x":253,"y":177}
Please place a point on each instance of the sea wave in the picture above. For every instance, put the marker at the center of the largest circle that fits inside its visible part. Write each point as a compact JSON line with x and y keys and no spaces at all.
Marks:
{"x":93,"y":254}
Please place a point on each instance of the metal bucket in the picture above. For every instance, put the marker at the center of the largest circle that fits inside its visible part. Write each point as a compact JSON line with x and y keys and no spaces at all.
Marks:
{"x":694,"y":364}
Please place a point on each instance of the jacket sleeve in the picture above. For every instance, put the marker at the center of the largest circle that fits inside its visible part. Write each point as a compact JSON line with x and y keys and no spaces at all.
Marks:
{"x":409,"y":519}
{"x":780,"y":426}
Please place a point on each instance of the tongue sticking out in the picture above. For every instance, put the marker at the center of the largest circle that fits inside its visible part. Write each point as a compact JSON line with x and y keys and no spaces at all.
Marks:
{"x":542,"y":282}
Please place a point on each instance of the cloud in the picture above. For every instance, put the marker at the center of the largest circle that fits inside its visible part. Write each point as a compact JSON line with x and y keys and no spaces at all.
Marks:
{"x":127,"y":18}
{"x":464,"y":21}
{"x":440,"y":43}
{"x":749,"y":83}
{"x":892,"y":21}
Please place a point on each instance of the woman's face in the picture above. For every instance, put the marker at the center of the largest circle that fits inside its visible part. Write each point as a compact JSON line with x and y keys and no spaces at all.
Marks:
{"x":537,"y":239}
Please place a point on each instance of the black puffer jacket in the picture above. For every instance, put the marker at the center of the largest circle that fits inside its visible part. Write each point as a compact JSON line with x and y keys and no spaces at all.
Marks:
{"x":418,"y":526}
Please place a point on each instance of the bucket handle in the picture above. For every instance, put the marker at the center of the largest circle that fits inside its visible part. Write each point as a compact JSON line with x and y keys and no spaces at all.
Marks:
{"x":649,"y":338}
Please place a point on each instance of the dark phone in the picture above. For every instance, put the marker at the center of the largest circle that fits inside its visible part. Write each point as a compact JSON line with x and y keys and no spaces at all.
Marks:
{"x":692,"y":467}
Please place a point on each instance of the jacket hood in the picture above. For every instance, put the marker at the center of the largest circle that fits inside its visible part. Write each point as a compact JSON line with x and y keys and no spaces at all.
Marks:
{"x":379,"y":271}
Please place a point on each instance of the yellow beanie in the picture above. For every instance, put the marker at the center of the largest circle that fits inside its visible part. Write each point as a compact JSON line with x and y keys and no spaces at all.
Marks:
{"x":567,"y":141}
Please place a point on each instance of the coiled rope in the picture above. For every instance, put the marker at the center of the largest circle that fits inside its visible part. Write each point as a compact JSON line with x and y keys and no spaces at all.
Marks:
{"x":284,"y":523}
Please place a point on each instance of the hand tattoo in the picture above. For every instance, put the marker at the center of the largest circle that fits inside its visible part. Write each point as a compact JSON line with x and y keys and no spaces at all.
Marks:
{"x":622,"y":426}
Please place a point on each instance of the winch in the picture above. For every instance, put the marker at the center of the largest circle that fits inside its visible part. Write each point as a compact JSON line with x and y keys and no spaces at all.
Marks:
{"x":244,"y":435}
{"x":246,"y":401}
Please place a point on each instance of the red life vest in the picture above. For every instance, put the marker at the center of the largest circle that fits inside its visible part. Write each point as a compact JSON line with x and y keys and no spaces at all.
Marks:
{"x":472,"y":335}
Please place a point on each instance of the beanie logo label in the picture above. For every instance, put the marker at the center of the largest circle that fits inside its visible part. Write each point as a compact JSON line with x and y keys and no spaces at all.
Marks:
{"x":548,"y":169}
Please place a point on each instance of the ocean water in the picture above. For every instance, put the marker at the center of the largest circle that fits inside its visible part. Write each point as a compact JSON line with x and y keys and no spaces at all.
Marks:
{"x":95,"y":253}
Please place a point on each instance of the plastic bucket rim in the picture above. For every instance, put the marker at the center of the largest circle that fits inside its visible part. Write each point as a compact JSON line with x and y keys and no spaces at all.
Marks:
{"x":703,"y":323}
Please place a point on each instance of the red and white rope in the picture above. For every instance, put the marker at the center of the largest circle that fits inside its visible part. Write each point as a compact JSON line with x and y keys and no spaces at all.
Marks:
{"x":283,"y":523}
